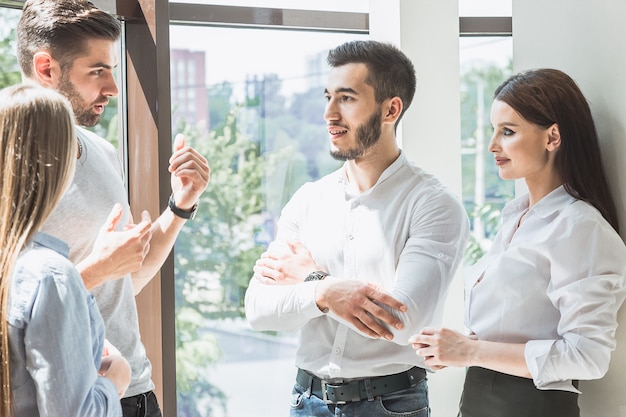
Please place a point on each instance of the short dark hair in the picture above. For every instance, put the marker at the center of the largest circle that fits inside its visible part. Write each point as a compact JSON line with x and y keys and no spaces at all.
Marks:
{"x":62,"y":27}
{"x":546,"y":96}
{"x":390,"y":72}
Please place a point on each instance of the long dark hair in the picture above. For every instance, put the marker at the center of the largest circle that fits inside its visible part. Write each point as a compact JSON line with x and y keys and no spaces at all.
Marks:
{"x":547,"y":96}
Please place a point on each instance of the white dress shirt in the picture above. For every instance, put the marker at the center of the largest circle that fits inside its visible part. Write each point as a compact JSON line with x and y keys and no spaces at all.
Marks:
{"x":555,"y":284}
{"x":407,"y":234}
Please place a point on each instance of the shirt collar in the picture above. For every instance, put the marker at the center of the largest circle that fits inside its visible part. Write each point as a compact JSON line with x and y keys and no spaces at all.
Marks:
{"x":548,"y":205}
{"x":51,"y":242}
{"x":388,"y":172}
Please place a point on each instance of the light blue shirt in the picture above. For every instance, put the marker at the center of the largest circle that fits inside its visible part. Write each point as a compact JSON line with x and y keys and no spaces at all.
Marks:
{"x":56,"y":337}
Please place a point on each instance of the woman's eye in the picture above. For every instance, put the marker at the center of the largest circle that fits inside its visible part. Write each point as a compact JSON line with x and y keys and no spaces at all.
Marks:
{"x":507,"y":132}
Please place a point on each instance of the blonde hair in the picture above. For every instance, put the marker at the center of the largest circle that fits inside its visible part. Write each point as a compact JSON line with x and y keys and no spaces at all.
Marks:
{"x":38,"y":152}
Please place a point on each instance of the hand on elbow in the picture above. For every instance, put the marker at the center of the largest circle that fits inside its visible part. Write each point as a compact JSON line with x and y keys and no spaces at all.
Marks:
{"x":360,"y":304}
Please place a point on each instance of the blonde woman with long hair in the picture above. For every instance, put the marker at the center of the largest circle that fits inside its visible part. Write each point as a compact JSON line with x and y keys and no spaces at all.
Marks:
{"x":51,"y":333}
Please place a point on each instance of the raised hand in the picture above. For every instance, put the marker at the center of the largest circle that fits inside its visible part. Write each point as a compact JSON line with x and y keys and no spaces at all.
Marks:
{"x":190,"y":174}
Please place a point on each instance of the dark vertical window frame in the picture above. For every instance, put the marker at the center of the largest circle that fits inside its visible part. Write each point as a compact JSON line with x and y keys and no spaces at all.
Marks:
{"x":147,"y":128}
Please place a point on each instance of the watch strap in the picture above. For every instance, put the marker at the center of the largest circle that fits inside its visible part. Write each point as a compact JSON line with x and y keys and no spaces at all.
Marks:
{"x":185,"y":214}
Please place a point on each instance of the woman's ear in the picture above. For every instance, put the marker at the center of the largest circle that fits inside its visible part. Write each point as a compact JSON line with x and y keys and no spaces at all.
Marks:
{"x":554,"y":137}
{"x":46,"y":70}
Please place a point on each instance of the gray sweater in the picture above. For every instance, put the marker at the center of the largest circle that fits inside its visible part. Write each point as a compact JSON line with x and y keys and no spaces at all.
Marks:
{"x":97,"y":185}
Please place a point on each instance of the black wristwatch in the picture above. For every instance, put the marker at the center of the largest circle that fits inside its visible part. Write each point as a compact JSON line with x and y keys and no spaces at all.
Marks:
{"x":316,"y":276}
{"x":185,"y":214}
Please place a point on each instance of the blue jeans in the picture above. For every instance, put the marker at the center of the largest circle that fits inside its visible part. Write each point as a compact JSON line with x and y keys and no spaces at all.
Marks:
{"x":410,"y":402}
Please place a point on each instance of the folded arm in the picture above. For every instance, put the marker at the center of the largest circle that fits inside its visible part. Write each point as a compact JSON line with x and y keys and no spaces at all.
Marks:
{"x":424,"y":271}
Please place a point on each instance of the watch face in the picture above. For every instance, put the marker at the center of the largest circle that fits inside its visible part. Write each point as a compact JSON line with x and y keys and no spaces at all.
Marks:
{"x":316,"y":276}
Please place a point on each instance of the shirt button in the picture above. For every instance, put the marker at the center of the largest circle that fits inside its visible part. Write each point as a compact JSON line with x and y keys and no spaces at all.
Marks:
{"x":350,"y":237}
{"x":441,"y":255}
{"x":337,"y":351}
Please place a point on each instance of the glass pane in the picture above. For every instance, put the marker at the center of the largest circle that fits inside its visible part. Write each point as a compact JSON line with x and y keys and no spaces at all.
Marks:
{"x":358,"y":6}
{"x":485,"y":63}
{"x":9,"y":69}
{"x":485,"y":7}
{"x":255,"y":110}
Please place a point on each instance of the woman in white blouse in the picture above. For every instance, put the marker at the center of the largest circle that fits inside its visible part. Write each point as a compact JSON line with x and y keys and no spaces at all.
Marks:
{"x":541,"y":305}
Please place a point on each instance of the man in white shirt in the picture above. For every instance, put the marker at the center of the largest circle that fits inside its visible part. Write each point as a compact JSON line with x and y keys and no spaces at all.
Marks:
{"x":363,"y":258}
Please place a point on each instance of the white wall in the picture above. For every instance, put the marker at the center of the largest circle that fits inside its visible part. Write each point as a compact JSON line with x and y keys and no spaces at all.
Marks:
{"x":587,"y":40}
{"x":428,"y":32}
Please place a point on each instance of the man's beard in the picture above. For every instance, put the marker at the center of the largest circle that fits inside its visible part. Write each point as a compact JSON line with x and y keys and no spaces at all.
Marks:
{"x":367,"y":135}
{"x":83,"y":116}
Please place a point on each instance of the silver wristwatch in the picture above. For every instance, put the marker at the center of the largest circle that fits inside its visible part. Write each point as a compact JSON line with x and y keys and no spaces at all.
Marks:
{"x":316,"y":276}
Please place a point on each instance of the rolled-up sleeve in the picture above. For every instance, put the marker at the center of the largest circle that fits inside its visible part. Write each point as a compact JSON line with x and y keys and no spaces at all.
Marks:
{"x":588,"y":292}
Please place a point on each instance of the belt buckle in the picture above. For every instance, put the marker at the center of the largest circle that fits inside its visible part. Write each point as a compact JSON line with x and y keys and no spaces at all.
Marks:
{"x":325,"y":395}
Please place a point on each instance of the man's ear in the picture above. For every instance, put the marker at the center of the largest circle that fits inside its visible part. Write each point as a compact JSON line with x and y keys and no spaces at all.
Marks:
{"x":392,"y":109}
{"x":46,"y":70}
{"x":554,"y":137}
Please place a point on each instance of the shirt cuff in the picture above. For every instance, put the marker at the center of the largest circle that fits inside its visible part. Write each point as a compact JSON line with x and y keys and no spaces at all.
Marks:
{"x":308,"y":304}
{"x":537,"y":355}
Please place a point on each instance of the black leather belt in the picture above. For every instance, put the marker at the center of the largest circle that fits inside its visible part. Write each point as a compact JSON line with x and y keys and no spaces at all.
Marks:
{"x":359,"y":389}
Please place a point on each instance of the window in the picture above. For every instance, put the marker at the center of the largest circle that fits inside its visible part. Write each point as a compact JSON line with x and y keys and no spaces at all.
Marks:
{"x":486,"y":61}
{"x":257,"y":116}
{"x":9,"y":68}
